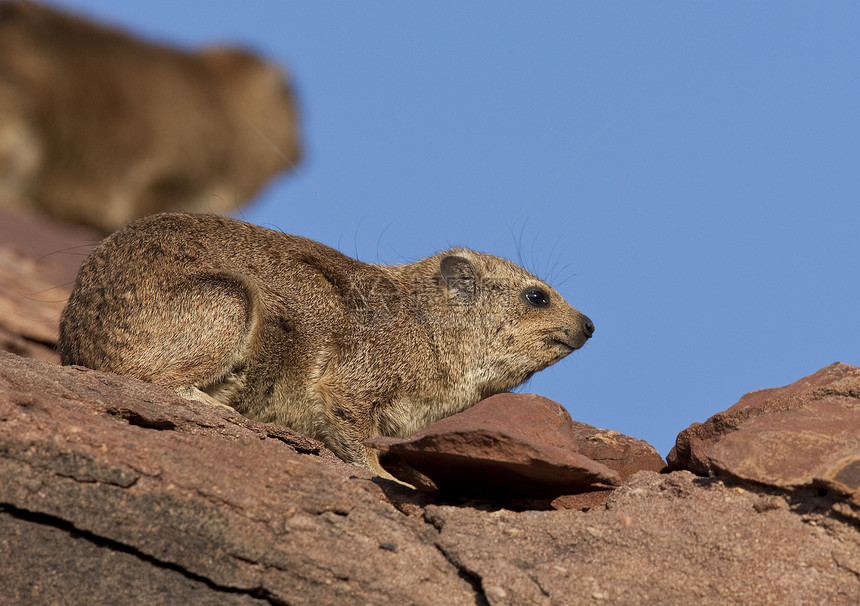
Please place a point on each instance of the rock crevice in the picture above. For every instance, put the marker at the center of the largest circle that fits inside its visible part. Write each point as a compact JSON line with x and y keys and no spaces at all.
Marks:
{"x":148,"y":560}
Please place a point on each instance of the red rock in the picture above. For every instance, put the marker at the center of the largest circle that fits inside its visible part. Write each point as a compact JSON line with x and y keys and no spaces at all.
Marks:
{"x":117,"y":491}
{"x":804,"y":434}
{"x":517,"y":444}
{"x":582,"y":500}
{"x":108,"y":476}
{"x":660,"y":539}
{"x":39,"y":259}
{"x":30,"y":303}
{"x":56,"y":249}
{"x":622,"y":453}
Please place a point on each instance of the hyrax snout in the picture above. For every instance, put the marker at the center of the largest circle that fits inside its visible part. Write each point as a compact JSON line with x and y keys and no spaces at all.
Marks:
{"x":288,"y":330}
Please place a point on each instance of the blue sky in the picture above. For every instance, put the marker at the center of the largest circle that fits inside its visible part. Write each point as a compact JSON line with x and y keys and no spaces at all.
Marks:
{"x":685,"y":173}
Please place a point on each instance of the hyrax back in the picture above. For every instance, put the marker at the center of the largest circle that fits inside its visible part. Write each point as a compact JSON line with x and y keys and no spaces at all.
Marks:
{"x":288,"y":330}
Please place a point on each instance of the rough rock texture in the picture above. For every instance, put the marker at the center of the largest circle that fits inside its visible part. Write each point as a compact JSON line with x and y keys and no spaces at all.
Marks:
{"x":214,"y":502}
{"x":521,"y":445}
{"x":113,"y":491}
{"x":660,"y":539}
{"x":804,"y":434}
{"x":624,"y":454}
{"x":116,"y":491}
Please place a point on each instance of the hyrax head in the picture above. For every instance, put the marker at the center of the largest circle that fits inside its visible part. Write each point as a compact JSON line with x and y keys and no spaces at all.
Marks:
{"x":513,"y":323}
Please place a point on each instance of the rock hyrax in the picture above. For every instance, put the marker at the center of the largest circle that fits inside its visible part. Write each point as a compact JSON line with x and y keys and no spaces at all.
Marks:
{"x":100,"y":127}
{"x":290,"y":331}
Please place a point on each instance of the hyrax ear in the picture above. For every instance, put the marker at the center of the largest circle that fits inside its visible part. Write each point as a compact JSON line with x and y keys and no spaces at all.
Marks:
{"x":460,"y":275}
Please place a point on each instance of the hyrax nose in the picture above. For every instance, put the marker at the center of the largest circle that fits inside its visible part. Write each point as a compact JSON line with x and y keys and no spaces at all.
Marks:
{"x":587,"y":327}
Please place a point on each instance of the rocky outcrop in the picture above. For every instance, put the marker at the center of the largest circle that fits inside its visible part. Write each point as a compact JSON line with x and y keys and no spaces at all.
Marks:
{"x":116,"y":491}
{"x":112,"y":490}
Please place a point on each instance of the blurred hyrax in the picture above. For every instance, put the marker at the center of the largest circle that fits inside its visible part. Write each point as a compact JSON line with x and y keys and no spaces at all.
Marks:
{"x":98,"y":127}
{"x":290,"y":331}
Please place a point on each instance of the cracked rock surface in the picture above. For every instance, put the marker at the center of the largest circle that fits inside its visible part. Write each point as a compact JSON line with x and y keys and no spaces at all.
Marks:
{"x":660,"y":539}
{"x":211,"y":500}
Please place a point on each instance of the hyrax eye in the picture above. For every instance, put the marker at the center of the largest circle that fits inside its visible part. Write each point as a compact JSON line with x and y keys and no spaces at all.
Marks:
{"x":536,"y":297}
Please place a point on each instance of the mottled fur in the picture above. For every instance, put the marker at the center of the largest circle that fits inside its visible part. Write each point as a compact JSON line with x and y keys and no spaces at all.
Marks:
{"x":288,"y":330}
{"x":99,"y":127}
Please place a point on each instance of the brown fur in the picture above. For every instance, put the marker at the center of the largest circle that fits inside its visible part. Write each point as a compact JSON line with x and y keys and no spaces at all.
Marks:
{"x":99,"y":127}
{"x":288,"y":330}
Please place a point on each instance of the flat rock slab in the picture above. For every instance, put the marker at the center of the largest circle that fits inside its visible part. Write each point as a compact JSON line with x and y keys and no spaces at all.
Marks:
{"x":804,"y":434}
{"x":520,"y":445}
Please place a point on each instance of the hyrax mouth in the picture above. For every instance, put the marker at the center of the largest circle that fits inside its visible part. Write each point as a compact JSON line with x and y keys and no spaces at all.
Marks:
{"x":565,"y":343}
{"x":570,"y":340}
